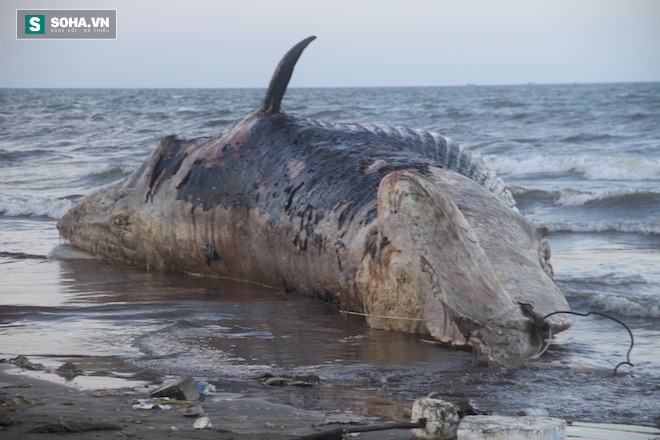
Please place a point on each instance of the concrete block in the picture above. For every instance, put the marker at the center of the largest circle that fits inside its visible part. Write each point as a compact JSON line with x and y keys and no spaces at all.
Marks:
{"x":441,"y":419}
{"x":184,"y":389}
{"x":511,"y":428}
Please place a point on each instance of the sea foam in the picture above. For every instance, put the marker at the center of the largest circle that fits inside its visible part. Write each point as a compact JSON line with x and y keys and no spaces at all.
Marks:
{"x":590,"y":167}
{"x":35,"y":206}
{"x":644,"y":227}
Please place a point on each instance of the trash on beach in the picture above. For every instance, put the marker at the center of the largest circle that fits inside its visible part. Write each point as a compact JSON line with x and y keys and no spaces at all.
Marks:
{"x":278,"y":382}
{"x":286,"y":382}
{"x":204,"y":387}
{"x":183,"y":389}
{"x":501,"y":428}
{"x":17,"y":401}
{"x":159,"y":403}
{"x":271,"y":380}
{"x":115,"y":393}
{"x":192,"y":411}
{"x":353,"y":431}
{"x":444,"y":421}
{"x":203,"y":422}
{"x":441,"y":418}
{"x":153,"y":404}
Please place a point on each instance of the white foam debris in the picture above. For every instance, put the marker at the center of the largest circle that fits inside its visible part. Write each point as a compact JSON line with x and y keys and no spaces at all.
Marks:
{"x":441,"y":418}
{"x":443,"y":423}
{"x":511,"y":428}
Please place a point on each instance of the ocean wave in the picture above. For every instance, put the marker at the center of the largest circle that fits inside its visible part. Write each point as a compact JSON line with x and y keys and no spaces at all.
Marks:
{"x":643,"y":306}
{"x":186,"y":109}
{"x":625,"y":294}
{"x":526,"y":116}
{"x":34,"y":206}
{"x":622,"y":197}
{"x":644,"y":227}
{"x":106,"y":171}
{"x":501,"y":103}
{"x":580,"y":198}
{"x":8,"y":157}
{"x":586,"y":137}
{"x":638,"y":116}
{"x":591,"y":167}
{"x":609,"y":280}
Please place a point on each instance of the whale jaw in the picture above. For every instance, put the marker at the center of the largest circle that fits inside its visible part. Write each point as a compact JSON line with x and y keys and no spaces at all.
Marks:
{"x":425,"y":272}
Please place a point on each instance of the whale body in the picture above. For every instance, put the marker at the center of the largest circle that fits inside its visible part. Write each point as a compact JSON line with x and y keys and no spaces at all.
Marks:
{"x":401,"y":225}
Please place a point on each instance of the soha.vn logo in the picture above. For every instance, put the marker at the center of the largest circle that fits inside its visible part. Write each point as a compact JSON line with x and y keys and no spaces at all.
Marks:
{"x":39,"y":24}
{"x":35,"y":24}
{"x":79,"y":22}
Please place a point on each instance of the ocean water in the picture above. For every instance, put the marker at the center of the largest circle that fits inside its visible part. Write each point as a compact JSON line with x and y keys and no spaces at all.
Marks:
{"x":581,"y":160}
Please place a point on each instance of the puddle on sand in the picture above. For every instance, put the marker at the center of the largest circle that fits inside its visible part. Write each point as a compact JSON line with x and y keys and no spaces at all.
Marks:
{"x":86,"y":373}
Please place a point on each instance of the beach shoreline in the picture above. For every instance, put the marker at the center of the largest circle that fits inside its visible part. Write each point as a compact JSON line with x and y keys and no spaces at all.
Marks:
{"x":36,"y":404}
{"x":41,"y":403}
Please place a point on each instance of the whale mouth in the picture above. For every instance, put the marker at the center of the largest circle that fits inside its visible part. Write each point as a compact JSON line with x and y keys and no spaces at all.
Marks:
{"x":426,"y":272}
{"x":101,"y":225}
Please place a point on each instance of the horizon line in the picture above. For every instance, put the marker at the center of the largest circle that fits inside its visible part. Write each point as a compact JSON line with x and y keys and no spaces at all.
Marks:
{"x":531,"y":83}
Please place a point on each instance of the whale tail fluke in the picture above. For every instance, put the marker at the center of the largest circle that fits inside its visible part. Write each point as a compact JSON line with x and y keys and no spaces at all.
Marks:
{"x":273,"y":102}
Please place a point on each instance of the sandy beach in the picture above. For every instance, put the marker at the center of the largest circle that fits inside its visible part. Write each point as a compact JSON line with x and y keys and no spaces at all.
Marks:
{"x":37,"y":404}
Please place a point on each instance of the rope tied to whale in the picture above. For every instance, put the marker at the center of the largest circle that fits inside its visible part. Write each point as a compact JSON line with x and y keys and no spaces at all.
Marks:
{"x":540,"y":326}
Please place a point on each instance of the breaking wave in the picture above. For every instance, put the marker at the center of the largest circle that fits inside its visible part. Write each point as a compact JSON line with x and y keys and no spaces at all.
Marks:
{"x":106,"y":171}
{"x":619,"y":197}
{"x":644,"y":227}
{"x":51,"y":207}
{"x":591,"y":167}
{"x":624,"y":198}
{"x":644,"y":307}
{"x":612,"y":293}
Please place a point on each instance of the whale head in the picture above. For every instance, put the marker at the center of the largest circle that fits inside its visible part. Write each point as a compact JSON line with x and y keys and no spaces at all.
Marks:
{"x":450,"y":260}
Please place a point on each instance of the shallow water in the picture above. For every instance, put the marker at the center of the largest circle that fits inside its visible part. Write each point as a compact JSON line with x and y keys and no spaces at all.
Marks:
{"x":225,"y":330}
{"x":583,"y":161}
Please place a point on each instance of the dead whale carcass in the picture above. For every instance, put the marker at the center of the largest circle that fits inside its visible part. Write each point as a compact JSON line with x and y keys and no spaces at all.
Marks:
{"x":402,"y":225}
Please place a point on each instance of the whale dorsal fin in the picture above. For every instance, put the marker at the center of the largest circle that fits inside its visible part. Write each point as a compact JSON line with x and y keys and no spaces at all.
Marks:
{"x":277,"y":88}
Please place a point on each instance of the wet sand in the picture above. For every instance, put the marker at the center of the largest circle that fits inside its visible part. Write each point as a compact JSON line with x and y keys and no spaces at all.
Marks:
{"x":40,"y":403}
{"x":34,"y":408}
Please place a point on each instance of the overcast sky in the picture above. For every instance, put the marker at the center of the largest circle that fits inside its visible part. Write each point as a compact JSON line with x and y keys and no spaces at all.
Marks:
{"x":237,"y":43}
